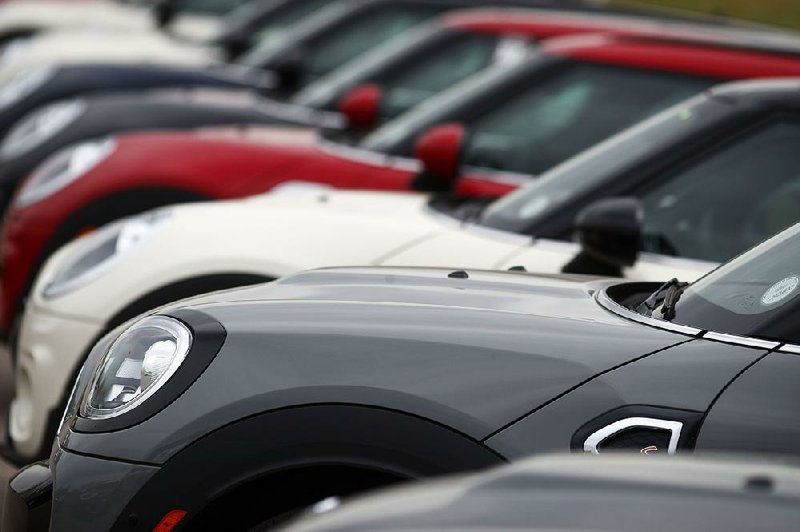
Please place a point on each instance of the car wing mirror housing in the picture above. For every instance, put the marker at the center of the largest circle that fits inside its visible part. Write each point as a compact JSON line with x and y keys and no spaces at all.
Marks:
{"x":360,"y":106}
{"x":234,"y":44}
{"x":164,"y":13}
{"x":439,"y":151}
{"x":290,"y":71}
{"x":609,"y":232}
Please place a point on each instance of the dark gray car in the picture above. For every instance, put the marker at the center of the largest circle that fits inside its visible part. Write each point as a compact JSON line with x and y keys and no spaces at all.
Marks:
{"x":562,"y":493}
{"x":238,"y":407}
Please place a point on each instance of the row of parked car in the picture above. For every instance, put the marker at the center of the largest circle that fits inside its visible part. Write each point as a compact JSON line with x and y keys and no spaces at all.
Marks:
{"x":208,"y":331}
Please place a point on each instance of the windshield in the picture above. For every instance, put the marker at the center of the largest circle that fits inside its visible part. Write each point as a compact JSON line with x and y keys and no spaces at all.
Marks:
{"x":396,"y":137}
{"x":275,"y":24}
{"x":415,"y":68}
{"x":530,"y":121}
{"x":343,"y":41}
{"x":208,"y":7}
{"x":588,"y":171}
{"x":754,"y":295}
{"x":265,"y":50}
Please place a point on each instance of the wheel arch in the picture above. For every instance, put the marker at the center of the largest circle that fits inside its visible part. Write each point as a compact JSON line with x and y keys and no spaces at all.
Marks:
{"x":263,"y":449}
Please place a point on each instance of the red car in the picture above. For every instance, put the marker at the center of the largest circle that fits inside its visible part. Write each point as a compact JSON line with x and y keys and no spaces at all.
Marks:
{"x":521,"y":120}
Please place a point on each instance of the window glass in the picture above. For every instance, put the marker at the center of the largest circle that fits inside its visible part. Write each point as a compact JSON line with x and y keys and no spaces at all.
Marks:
{"x":456,"y":60}
{"x":280,"y":23}
{"x":730,"y":201}
{"x":209,"y":7}
{"x":587,"y":172}
{"x":554,"y":119}
{"x":370,"y":29}
{"x":756,"y":294}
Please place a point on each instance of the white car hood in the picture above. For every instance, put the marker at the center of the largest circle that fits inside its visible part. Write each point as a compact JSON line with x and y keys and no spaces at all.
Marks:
{"x":55,"y":15}
{"x":103,"y":46}
{"x":270,"y":234}
{"x":94,"y":15}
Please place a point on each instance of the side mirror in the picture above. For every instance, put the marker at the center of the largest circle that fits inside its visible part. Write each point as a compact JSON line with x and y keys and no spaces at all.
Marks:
{"x":164,"y":12}
{"x":609,"y":232}
{"x":234,"y":45}
{"x":360,"y":105}
{"x":439,"y":150}
{"x":290,"y":70}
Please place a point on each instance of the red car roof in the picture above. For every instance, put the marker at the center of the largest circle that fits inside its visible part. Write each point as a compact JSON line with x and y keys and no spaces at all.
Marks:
{"x":671,"y":55}
{"x":546,"y":23}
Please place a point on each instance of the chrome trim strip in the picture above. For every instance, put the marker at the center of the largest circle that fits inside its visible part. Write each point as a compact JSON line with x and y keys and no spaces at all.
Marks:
{"x":597,"y":437}
{"x":740,"y":340}
{"x":612,"y":306}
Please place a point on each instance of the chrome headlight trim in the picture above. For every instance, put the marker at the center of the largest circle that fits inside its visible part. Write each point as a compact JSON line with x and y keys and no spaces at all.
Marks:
{"x":114,"y":242}
{"x":61,"y":169}
{"x":23,"y":84}
{"x":40,"y":125}
{"x":150,"y":351}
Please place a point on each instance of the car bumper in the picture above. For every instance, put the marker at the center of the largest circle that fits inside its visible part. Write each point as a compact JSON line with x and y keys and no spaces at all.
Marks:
{"x":50,"y":350}
{"x":28,"y":500}
{"x":73,"y":492}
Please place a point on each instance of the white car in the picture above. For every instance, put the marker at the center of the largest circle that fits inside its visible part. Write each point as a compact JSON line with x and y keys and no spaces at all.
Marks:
{"x":134,"y":265}
{"x":98,"y":46}
{"x":22,"y":17}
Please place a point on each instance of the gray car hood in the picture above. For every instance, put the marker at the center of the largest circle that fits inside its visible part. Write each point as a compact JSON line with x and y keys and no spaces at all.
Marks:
{"x":473,"y":353}
{"x":482,"y":350}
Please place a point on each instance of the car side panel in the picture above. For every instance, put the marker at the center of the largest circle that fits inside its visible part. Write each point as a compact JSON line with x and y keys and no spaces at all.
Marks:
{"x":685,"y":377}
{"x":759,"y":412}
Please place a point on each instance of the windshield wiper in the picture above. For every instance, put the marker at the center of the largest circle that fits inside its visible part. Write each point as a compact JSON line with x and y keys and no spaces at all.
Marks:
{"x":471,"y":212}
{"x":664,"y":300}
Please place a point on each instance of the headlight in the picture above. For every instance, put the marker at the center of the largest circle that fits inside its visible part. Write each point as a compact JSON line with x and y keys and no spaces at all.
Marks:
{"x":23,"y":84}
{"x":136,"y":365}
{"x":61,"y":169}
{"x":39,"y":126}
{"x":13,"y":49}
{"x":96,"y":253}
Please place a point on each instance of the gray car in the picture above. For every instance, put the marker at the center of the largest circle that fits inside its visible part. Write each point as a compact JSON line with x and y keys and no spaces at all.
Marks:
{"x":238,"y":408}
{"x":563,"y":493}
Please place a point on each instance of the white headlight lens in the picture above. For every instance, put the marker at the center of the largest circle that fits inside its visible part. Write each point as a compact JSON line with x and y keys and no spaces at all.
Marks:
{"x":13,"y":50}
{"x":137,"y":364}
{"x":24,"y":84}
{"x":96,"y":253}
{"x":40,"y":125}
{"x":61,"y":169}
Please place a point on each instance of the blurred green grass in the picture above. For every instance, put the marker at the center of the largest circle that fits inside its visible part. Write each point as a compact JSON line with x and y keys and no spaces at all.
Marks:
{"x":785,"y":13}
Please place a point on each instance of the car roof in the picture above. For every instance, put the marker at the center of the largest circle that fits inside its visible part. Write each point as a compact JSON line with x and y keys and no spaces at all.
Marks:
{"x":543,"y":22}
{"x":776,"y":90}
{"x":669,"y":54}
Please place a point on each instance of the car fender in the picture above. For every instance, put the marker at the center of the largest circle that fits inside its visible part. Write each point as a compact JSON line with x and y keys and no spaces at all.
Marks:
{"x":404,"y":445}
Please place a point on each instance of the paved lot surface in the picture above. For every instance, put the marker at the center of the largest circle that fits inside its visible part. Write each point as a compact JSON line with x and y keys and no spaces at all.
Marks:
{"x":6,"y":388}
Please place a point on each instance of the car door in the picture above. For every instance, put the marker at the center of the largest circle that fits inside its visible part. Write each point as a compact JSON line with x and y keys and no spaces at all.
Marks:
{"x":759,"y":412}
{"x":656,"y":404}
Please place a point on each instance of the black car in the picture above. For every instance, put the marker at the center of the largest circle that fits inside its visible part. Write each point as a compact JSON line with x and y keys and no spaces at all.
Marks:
{"x":240,"y":406}
{"x":563,"y":493}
